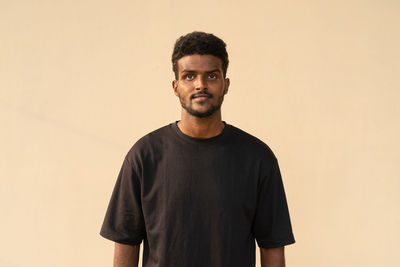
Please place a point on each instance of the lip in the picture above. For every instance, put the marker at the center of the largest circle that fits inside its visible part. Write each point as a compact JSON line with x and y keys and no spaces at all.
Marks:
{"x":201,"y":98}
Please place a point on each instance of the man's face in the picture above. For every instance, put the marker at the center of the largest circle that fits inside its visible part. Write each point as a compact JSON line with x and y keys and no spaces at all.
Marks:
{"x":201,"y":85}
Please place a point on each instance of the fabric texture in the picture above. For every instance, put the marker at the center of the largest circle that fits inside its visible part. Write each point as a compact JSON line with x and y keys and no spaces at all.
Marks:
{"x":199,"y":202}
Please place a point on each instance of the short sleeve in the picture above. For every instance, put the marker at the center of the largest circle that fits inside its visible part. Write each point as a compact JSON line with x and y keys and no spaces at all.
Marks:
{"x":123,"y":222}
{"x":272,"y":227}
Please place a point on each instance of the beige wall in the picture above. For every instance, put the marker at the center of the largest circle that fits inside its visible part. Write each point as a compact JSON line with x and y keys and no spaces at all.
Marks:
{"x":81,"y":81}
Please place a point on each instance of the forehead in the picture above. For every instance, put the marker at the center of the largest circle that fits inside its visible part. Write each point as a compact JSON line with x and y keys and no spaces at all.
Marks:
{"x":199,"y":63}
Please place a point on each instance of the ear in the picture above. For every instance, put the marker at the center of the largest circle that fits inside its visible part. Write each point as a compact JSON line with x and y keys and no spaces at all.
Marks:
{"x":227,"y":82}
{"x":175,"y":86}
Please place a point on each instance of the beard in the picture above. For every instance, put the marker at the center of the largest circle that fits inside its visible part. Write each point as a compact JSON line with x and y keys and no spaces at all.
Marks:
{"x":210,"y":111}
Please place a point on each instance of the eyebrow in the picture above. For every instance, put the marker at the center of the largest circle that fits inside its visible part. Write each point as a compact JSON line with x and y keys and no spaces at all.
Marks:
{"x":210,"y":71}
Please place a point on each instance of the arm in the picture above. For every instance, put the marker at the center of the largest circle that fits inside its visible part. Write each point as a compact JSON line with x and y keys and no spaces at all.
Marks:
{"x":126,"y":255}
{"x":272,"y":257}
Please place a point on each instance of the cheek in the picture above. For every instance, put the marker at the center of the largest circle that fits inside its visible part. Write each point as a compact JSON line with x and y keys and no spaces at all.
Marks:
{"x":183,"y":90}
{"x":181,"y":94}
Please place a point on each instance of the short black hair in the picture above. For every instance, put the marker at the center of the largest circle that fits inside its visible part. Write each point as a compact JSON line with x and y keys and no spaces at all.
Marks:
{"x":200,"y":43}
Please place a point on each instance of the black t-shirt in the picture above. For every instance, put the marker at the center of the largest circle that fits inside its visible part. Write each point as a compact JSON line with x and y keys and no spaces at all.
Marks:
{"x":199,"y":202}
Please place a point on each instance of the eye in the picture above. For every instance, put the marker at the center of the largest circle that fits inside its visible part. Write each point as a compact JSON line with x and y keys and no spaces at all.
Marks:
{"x":189,"y":77}
{"x":212,"y":76}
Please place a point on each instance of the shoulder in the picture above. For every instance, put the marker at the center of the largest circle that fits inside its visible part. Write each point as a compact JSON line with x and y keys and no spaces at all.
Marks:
{"x":150,"y":142}
{"x":253,"y":149}
{"x":251,"y":143}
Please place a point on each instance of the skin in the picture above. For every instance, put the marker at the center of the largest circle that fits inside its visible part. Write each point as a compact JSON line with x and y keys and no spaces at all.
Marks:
{"x":126,"y":255}
{"x":272,"y":257}
{"x":199,"y":75}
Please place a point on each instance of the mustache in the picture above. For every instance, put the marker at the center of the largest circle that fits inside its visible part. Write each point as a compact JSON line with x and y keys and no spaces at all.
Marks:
{"x":204,"y":94}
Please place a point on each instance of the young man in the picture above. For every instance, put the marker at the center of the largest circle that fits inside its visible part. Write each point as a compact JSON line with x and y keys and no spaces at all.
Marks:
{"x":199,"y":191}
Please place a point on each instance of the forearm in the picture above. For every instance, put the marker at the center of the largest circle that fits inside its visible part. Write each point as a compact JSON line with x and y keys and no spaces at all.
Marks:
{"x":126,"y":255}
{"x":272,"y":257}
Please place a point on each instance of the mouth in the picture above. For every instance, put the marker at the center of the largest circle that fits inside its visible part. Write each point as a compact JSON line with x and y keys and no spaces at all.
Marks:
{"x":201,"y":97}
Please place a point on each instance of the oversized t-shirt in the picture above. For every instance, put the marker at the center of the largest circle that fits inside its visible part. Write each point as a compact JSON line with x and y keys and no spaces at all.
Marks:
{"x":199,"y":202}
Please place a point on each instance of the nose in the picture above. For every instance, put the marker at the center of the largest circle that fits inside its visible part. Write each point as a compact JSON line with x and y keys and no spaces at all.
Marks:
{"x":201,"y":83}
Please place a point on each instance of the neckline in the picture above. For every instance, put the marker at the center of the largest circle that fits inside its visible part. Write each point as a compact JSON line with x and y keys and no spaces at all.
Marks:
{"x":196,"y":139}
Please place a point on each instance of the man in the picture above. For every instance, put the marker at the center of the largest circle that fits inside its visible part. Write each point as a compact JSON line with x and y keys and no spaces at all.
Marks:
{"x":199,"y":191}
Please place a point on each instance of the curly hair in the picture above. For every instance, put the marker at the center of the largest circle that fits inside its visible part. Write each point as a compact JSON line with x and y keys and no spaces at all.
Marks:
{"x":200,"y":43}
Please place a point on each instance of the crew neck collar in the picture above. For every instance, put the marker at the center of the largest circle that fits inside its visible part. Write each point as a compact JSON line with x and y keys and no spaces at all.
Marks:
{"x":199,"y":140}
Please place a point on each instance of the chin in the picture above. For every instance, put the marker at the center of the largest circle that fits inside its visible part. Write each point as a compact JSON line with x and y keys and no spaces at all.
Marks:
{"x":202,"y":113}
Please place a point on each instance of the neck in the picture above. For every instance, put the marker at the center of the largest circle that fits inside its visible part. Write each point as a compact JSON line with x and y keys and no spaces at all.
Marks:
{"x":201,"y":127}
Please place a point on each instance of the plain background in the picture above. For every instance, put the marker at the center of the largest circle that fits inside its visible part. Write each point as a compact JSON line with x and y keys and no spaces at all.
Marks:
{"x":318,"y":81}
